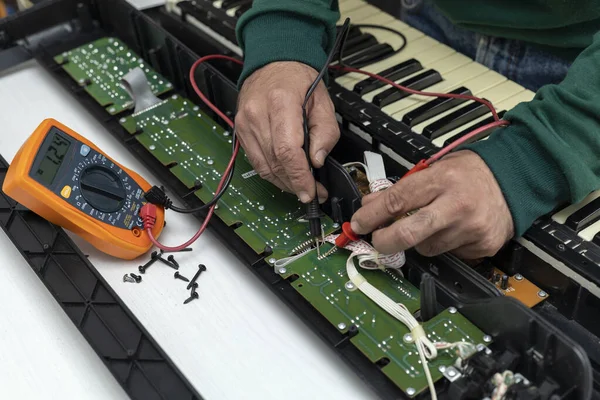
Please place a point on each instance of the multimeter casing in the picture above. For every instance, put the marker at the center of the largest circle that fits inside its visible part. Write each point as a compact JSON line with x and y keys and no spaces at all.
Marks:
{"x":104,"y":210}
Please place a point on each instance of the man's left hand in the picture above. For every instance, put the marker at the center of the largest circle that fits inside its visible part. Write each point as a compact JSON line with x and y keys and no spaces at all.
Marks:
{"x":460,"y":209}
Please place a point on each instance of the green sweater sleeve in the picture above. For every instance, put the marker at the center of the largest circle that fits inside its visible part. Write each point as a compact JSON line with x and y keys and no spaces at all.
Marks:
{"x":287,"y":30}
{"x":550,"y":154}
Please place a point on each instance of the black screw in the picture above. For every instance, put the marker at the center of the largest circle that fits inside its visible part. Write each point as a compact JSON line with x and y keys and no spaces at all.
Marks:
{"x":172,"y":259}
{"x":153,"y":258}
{"x":201,"y":268}
{"x":180,"y":251}
{"x":193,"y":296}
{"x":167,"y":262}
{"x":179,"y":276}
{"x":137,"y":278}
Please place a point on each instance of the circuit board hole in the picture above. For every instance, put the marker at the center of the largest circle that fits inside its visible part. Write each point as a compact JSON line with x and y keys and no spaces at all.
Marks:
{"x":382,"y":362}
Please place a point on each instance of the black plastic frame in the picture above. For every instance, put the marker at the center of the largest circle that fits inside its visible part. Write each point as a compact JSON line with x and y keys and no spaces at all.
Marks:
{"x":170,"y":57}
{"x":134,"y":358}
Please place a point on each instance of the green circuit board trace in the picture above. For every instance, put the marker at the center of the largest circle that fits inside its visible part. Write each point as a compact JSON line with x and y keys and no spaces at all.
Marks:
{"x":99,"y":67}
{"x":325,"y":284}
{"x":176,"y":131}
{"x":196,"y":150}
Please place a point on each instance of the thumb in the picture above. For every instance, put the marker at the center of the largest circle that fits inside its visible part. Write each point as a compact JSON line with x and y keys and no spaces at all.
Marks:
{"x":323,"y":127}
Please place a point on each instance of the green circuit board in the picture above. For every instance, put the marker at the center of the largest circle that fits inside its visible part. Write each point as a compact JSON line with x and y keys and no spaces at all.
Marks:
{"x":324,"y":284}
{"x":99,"y":67}
{"x":196,"y":150}
{"x":175,"y":131}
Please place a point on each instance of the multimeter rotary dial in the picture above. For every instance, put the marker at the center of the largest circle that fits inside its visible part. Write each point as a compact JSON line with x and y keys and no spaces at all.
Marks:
{"x":102,"y":188}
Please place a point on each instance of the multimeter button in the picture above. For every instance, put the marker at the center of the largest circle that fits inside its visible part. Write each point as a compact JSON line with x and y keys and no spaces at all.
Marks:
{"x":85,"y":150}
{"x":66,"y":192}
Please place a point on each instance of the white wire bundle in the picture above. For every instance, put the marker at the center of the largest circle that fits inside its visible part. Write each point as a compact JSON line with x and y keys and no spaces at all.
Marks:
{"x":425,"y":347}
{"x":502,"y":382}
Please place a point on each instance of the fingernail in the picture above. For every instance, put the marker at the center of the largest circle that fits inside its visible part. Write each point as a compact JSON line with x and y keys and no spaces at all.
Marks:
{"x":322,"y":200}
{"x":355,"y":226}
{"x":304,"y":197}
{"x":320,"y":157}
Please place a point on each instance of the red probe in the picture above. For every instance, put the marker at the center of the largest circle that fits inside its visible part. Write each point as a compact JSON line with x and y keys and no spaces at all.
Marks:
{"x":348,"y":235}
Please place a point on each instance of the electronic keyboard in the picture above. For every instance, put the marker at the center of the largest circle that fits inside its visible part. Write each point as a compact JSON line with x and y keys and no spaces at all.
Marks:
{"x":409,"y":128}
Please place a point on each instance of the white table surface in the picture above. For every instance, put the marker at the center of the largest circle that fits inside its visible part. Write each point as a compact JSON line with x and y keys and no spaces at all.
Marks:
{"x":237,"y":341}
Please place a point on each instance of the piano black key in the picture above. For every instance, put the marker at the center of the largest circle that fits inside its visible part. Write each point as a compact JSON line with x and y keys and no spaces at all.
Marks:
{"x":455,"y":120}
{"x":394,"y":73}
{"x":369,"y":56}
{"x":471,"y":129}
{"x":419,"y":82}
{"x":240,"y":11}
{"x":585,"y":216}
{"x":227,"y":4}
{"x":434,"y":107}
{"x":352,"y":32}
{"x":359,"y":43}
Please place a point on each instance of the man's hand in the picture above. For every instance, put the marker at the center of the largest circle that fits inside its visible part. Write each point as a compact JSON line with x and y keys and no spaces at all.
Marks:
{"x":269,"y":126}
{"x":460,"y":209}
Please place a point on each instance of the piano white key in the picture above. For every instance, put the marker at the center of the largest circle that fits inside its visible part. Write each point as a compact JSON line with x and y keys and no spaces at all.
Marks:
{"x":502,"y":91}
{"x":357,"y":15}
{"x":455,"y":70}
{"x":382,"y":19}
{"x":589,"y":232}
{"x":562,"y":215}
{"x":513,"y":101}
{"x":506,"y":105}
{"x":350,"y":5}
{"x":412,"y":48}
{"x":231,"y":11}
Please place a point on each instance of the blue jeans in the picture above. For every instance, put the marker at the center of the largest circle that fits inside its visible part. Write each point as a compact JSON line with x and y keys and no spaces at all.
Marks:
{"x":523,"y":63}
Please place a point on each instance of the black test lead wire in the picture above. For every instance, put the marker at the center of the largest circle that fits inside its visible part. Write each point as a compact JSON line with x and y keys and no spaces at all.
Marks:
{"x":313,"y":212}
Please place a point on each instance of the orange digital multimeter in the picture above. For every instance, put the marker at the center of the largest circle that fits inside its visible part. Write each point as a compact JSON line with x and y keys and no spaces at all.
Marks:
{"x":64,"y":178}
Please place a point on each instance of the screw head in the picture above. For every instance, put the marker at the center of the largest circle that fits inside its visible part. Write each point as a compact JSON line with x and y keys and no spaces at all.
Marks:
{"x":152,"y":147}
{"x":210,"y":162}
{"x":282,"y":270}
{"x":122,"y":120}
{"x":142,"y":269}
{"x":112,"y":109}
{"x":451,"y":373}
{"x":349,"y":285}
{"x":518,"y":277}
{"x":261,"y":208}
{"x":560,"y":247}
{"x":272,"y":260}
{"x":335,"y":225}
{"x":408,"y":338}
{"x":341,"y":326}
{"x":541,"y":293}
{"x":442,"y":368}
{"x":410,"y":391}
{"x":487,"y":338}
{"x":452,"y":310}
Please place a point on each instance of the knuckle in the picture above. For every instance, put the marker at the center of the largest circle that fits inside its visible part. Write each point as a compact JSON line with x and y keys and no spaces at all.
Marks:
{"x":464,"y":205}
{"x":251,"y":110}
{"x":406,"y":236}
{"x":284,"y":153}
{"x":265,"y":173}
{"x":393,"y":201}
{"x":276,"y":96}
{"x":428,"y":250}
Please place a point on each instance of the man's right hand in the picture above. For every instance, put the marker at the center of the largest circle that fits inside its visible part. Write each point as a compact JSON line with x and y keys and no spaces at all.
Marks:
{"x":269,"y":126}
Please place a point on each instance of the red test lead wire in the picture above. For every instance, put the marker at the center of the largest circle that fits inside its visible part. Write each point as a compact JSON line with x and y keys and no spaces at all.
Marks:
{"x":150,"y":223}
{"x":419,"y":166}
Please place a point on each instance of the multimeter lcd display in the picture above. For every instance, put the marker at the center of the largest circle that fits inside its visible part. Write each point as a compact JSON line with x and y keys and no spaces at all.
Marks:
{"x":50,"y":164}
